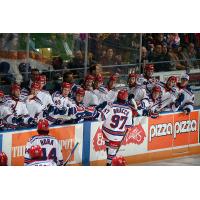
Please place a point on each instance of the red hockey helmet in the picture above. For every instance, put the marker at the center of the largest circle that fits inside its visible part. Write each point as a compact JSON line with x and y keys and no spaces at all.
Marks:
{"x":119,"y":161}
{"x":15,"y":87}
{"x":149,"y":67}
{"x":66,"y":85}
{"x":35,"y":152}
{"x":43,"y":125}
{"x":3,"y":159}
{"x":113,"y":77}
{"x":172,"y":79}
{"x":1,"y":93}
{"x":89,"y":78}
{"x":99,"y":78}
{"x":35,"y":85}
{"x":41,"y":78}
{"x":122,"y":95}
{"x":156,"y":88}
{"x":132,"y":75}
{"x":80,"y":91}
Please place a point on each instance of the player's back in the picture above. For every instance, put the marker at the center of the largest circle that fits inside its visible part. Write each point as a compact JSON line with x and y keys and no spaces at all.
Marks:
{"x":118,"y":117}
{"x":51,"y":149}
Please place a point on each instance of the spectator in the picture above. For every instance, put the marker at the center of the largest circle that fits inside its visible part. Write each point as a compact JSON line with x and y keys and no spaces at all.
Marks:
{"x":5,"y":77}
{"x":33,"y":75}
{"x":95,"y":69}
{"x":175,"y":64}
{"x":190,"y":55}
{"x":91,"y":61}
{"x":109,"y":59}
{"x":157,"y":57}
{"x":77,"y":62}
{"x":69,"y":78}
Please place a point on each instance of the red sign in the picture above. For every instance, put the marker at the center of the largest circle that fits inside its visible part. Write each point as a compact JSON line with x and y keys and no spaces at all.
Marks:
{"x":135,"y":135}
{"x":173,"y":130}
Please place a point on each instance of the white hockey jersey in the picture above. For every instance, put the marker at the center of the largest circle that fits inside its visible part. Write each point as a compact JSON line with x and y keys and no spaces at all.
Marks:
{"x":148,"y":84}
{"x":140,"y":96}
{"x":18,"y":108}
{"x":101,"y":94}
{"x":60,"y":101}
{"x":117,"y":118}
{"x":50,"y":147}
{"x":168,"y":98}
{"x":45,"y":98}
{"x":5,"y":116}
{"x":35,"y":107}
{"x":90,"y":99}
{"x":188,"y":101}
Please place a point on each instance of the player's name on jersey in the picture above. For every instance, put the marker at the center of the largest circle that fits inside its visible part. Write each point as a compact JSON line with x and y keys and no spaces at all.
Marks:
{"x":121,"y":110}
{"x":46,"y":141}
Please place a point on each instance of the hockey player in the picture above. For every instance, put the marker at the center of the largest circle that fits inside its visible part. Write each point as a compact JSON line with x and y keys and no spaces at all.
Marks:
{"x":147,"y":78}
{"x":51,"y":149}
{"x":36,"y":155}
{"x":90,"y":98}
{"x":26,"y":86}
{"x":20,"y":115}
{"x":61,"y":99}
{"x":155,"y":103}
{"x":3,"y":159}
{"x":82,"y":112}
{"x":44,"y":95}
{"x":137,"y":92}
{"x":170,"y":94}
{"x":188,"y":97}
{"x":112,"y":91}
{"x":64,"y":107}
{"x":7,"y":120}
{"x":117,"y":119}
{"x":69,"y":78}
{"x":99,"y":89}
{"x":33,"y":103}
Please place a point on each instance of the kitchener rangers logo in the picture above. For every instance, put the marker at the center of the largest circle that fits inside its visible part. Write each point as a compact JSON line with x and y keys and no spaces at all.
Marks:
{"x":135,"y":135}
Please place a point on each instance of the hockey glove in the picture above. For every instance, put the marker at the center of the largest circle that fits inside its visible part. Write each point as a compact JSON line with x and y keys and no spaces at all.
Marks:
{"x":51,"y":108}
{"x":20,"y":120}
{"x":63,"y":111}
{"x":145,"y":112}
{"x":131,"y":96}
{"x":56,"y":111}
{"x":45,"y":113}
{"x":179,"y":100}
{"x":101,"y":106}
{"x":72,"y":111}
{"x":187,"y":111}
{"x":32,"y":122}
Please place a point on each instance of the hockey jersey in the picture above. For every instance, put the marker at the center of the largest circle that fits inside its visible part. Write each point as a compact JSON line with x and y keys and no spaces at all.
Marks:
{"x":35,"y":107}
{"x":117,"y":118}
{"x":45,"y":98}
{"x":50,"y":147}
{"x":188,"y":97}
{"x":90,"y":99}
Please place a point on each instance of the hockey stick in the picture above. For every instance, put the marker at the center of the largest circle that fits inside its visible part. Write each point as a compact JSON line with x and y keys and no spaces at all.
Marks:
{"x":70,"y":155}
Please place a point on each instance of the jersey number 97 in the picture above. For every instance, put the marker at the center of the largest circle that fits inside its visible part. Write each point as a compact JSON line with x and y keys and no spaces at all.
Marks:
{"x":116,"y":119}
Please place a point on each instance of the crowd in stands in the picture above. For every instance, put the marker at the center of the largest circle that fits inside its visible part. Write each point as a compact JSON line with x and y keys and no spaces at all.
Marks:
{"x":168,"y":52}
